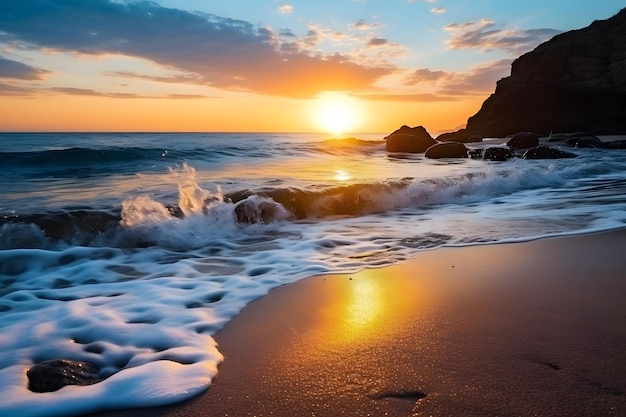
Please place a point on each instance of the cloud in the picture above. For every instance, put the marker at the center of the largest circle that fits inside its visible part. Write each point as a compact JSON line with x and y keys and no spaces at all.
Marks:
{"x":220,"y":52}
{"x":424,"y":75}
{"x":20,"y":71}
{"x":377,"y":42}
{"x":437,"y":10}
{"x":175,"y":79}
{"x":419,"y":97}
{"x":287,"y":33}
{"x":13,"y":91}
{"x":479,"y":80}
{"x":285,"y":9}
{"x":363,"y":25}
{"x":483,"y":34}
{"x":90,"y":92}
{"x":93,"y":93}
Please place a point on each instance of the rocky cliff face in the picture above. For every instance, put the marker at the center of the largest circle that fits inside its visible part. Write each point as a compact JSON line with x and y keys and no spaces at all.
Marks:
{"x":575,"y":81}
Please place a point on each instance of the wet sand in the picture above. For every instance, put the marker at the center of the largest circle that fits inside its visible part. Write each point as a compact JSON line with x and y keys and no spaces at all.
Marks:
{"x":520,"y":329}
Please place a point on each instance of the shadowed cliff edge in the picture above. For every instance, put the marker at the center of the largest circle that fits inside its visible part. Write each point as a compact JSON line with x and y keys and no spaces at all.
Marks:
{"x":575,"y":81}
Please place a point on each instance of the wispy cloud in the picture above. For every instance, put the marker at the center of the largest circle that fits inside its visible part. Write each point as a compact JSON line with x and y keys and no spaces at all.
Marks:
{"x":285,"y":9}
{"x":14,"y":91}
{"x":94,"y":93}
{"x":175,"y":79}
{"x":477,"y":81}
{"x":20,"y":71}
{"x":424,"y":75}
{"x":363,"y":25}
{"x":418,"y":97}
{"x":437,"y":10}
{"x":377,"y":42}
{"x":220,"y":52}
{"x":484,"y":35}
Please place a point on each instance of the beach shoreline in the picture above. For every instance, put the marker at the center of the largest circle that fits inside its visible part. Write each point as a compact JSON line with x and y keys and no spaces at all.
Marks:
{"x":530,"y":328}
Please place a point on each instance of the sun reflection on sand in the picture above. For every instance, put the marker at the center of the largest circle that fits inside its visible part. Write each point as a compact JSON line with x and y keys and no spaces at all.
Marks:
{"x":365,"y":305}
{"x":369,"y":307}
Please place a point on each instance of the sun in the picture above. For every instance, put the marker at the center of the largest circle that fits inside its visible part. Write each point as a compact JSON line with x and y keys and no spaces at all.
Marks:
{"x":336,"y":113}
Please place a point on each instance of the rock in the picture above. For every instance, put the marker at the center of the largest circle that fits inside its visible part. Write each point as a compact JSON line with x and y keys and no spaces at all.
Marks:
{"x":406,"y":130}
{"x":558,"y":137}
{"x":459,"y":136}
{"x":616,"y":144}
{"x":476,"y":153}
{"x":446,"y":150}
{"x":52,"y":375}
{"x":576,"y":81}
{"x":561,"y":137}
{"x":523,"y":140}
{"x":577,"y":139}
{"x":584,"y":142}
{"x":497,"y":154}
{"x":416,"y":142}
{"x":251,"y":211}
{"x":544,"y":152}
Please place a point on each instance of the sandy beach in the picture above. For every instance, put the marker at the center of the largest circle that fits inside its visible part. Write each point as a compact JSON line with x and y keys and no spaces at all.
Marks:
{"x":519,"y":329}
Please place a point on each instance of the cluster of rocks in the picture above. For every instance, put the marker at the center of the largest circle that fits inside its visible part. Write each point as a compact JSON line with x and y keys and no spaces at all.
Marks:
{"x":526,"y":145}
{"x":575,"y":82}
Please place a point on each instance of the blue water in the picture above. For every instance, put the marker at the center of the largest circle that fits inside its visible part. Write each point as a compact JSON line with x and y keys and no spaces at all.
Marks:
{"x":131,"y":250}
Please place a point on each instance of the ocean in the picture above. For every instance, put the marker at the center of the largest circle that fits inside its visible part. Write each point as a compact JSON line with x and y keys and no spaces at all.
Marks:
{"x":131,"y":250}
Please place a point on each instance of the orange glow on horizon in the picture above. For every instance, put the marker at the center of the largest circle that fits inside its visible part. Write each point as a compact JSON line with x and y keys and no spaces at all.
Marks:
{"x":333,"y":113}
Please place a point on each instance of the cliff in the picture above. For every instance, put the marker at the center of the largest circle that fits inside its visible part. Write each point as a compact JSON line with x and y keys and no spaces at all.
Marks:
{"x":575,"y":81}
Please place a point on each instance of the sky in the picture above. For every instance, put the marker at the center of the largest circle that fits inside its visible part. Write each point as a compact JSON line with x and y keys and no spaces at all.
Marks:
{"x":333,"y":66}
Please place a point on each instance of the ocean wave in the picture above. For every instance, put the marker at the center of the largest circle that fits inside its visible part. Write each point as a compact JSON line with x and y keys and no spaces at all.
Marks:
{"x":78,"y":156}
{"x":336,"y":146}
{"x":116,"y":159}
{"x":200,"y":215}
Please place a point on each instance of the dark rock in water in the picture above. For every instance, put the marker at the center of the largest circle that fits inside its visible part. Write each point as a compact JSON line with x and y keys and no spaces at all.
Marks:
{"x":80,"y":226}
{"x":416,"y":142}
{"x":54,"y":374}
{"x":544,"y":152}
{"x":461,"y":135}
{"x":497,"y":154}
{"x":584,"y":142}
{"x":575,"y":81}
{"x":523,"y":140}
{"x":406,"y":130}
{"x":562,"y":137}
{"x":446,"y":150}
{"x":265,"y":212}
{"x":616,"y":144}
{"x":558,"y":137}
{"x":476,"y":153}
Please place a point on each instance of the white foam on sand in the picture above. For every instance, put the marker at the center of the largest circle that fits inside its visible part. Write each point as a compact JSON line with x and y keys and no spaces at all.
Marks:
{"x":141,"y":332}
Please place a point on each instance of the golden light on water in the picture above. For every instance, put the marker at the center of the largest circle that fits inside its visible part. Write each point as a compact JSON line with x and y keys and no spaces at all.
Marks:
{"x":337,"y":113}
